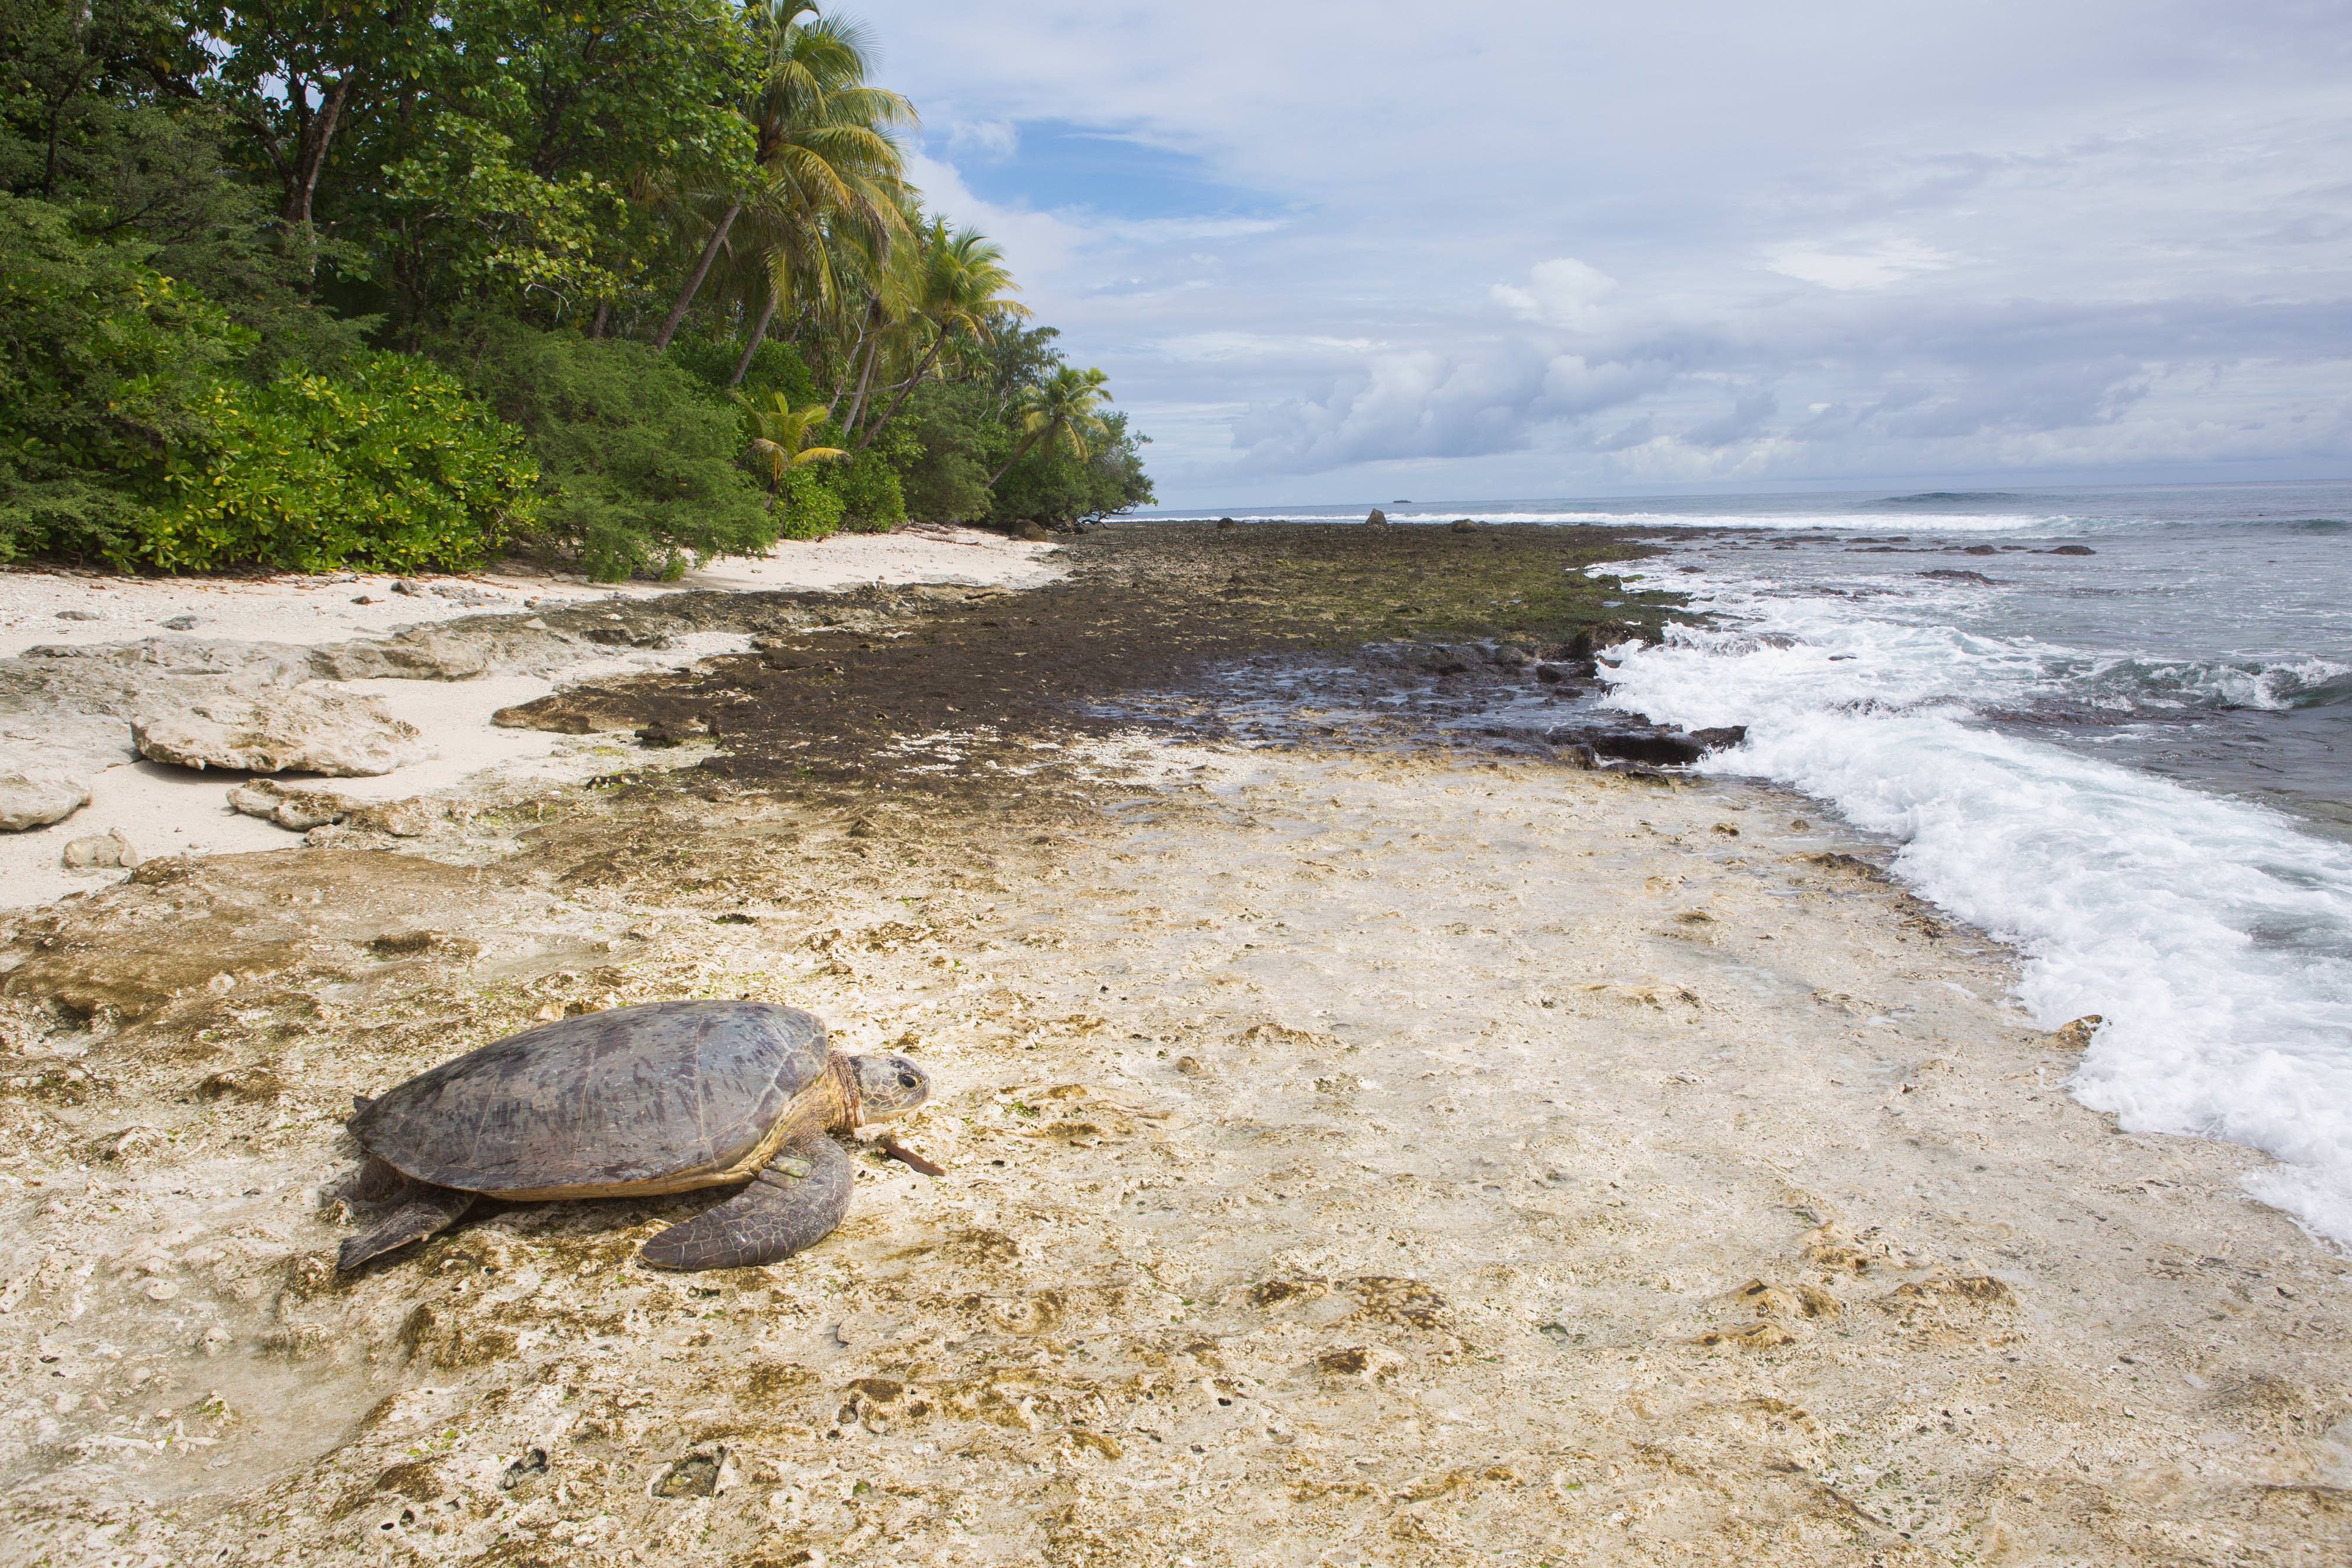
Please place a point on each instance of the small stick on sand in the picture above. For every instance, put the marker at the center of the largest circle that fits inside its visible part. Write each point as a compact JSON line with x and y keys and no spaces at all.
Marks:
{"x":907,"y":1157}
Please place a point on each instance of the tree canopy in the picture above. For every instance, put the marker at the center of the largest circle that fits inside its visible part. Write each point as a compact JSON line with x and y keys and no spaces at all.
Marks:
{"x":588,"y":279}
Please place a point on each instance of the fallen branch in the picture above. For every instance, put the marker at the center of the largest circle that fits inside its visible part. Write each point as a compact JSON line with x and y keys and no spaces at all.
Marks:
{"x":907,"y":1157}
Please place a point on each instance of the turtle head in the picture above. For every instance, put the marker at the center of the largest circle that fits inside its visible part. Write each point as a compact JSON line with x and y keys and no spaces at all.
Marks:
{"x":887,"y":1086}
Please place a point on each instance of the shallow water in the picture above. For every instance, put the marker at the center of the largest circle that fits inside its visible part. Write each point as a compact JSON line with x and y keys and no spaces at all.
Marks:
{"x":2133,"y":759}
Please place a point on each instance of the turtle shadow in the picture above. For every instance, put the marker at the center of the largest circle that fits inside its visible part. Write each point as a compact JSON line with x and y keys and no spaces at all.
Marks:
{"x":578,"y":1230}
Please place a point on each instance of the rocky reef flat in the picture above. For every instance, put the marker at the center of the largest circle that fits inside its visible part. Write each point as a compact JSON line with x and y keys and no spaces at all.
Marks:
{"x":1380,"y":1118}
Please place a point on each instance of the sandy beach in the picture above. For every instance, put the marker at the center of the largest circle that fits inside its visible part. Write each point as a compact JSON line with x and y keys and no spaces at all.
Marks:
{"x":251,"y":623}
{"x":1374,"y":1139}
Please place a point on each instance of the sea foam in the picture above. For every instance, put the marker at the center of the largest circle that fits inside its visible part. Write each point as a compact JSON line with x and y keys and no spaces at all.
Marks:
{"x":2212,"y":934}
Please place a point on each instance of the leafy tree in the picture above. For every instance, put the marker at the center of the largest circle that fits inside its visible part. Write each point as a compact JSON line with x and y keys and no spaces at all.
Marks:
{"x":392,"y":469}
{"x":639,"y":459}
{"x":1064,"y":412}
{"x":951,"y":427}
{"x":1053,"y":483}
{"x":215,"y":218}
{"x":109,"y":373}
{"x":959,"y":294}
{"x":823,"y":144}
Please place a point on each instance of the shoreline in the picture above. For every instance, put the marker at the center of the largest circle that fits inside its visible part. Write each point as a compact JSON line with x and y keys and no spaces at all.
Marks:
{"x":1356,"y":1151}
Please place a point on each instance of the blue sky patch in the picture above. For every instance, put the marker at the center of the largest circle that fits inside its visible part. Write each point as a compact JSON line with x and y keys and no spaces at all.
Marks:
{"x":1060,"y":165}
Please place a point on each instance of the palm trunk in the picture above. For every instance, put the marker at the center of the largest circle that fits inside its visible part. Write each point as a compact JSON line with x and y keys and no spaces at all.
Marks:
{"x":1020,"y":451}
{"x":864,"y":379}
{"x":759,"y":335}
{"x":848,"y":368}
{"x":701,"y":270}
{"x":903,"y":392}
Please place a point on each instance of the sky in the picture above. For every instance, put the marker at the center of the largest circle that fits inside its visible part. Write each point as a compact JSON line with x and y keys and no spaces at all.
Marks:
{"x":1331,"y":253}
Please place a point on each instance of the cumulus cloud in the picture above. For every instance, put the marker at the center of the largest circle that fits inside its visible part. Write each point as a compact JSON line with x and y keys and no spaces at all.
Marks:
{"x":1564,"y":292}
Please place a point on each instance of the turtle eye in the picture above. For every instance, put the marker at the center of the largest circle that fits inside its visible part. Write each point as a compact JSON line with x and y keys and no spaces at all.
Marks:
{"x":906,"y":1080}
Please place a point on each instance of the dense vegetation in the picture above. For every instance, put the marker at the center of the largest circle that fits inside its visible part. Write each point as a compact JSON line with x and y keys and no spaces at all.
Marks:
{"x":626,"y":283}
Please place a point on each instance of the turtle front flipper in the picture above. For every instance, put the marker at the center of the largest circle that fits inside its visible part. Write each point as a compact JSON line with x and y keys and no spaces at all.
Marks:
{"x":792,"y":1204}
{"x":428,"y":1209}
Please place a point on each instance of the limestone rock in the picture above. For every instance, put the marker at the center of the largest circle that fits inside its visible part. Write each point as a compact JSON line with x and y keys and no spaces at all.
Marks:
{"x":33,"y":797}
{"x":108,"y":850}
{"x":2077,"y":1035}
{"x":280,"y":730}
{"x":49,"y":759}
{"x":300,"y":810}
{"x":426,"y":653}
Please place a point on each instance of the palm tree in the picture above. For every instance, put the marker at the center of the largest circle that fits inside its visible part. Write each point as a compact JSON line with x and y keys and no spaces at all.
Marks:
{"x":960,"y":284}
{"x":822,"y":141}
{"x":779,"y":435}
{"x":1062,"y":410}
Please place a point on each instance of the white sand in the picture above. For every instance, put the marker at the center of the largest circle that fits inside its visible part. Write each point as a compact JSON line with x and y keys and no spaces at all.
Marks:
{"x":315,"y":610}
{"x":170,"y":810}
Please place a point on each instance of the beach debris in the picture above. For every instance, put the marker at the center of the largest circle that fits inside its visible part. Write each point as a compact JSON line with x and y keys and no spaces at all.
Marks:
{"x":2078,"y":1034}
{"x":253,"y":1083}
{"x":664,"y":1097}
{"x":696,"y":1475}
{"x":908,"y":1157}
{"x":300,"y":728}
{"x":519,"y":1471}
{"x":1763,"y":1335}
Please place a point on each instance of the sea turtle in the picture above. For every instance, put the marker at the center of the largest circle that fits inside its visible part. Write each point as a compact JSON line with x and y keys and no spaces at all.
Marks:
{"x":660,"y":1098}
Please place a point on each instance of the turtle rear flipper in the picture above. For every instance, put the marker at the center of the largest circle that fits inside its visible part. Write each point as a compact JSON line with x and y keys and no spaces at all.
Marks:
{"x":428,"y":1209}
{"x":792,"y":1204}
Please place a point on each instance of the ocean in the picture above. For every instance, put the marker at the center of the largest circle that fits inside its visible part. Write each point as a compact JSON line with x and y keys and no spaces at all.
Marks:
{"x":2111,"y":726}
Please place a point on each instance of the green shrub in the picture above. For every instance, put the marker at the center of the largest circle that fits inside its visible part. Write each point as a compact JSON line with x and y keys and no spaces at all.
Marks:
{"x":808,"y":507}
{"x":1049,"y":485}
{"x":640,"y":459}
{"x":775,"y":368}
{"x":110,"y":375}
{"x":951,"y":426}
{"x":871,"y":501}
{"x":126,"y":435}
{"x":395,"y":469}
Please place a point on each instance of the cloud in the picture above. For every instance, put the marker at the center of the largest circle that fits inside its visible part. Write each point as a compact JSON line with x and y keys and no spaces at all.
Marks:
{"x":1565,"y":292}
{"x":1549,"y":250}
{"x":991,"y":140}
{"x":1400,"y":406}
{"x":1877,"y":263}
